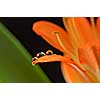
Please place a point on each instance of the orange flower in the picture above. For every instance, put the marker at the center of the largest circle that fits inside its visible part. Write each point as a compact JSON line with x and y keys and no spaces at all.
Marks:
{"x":80,"y":44}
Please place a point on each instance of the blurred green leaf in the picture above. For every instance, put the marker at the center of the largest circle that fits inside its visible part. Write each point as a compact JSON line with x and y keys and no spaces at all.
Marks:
{"x":15,"y":61}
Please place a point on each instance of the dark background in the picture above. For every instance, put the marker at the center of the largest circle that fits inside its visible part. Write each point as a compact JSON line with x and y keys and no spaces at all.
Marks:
{"x":21,"y":27}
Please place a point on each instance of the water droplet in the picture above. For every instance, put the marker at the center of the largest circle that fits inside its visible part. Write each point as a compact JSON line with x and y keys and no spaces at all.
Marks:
{"x":35,"y":58}
{"x":49,"y":52}
{"x":40,"y":54}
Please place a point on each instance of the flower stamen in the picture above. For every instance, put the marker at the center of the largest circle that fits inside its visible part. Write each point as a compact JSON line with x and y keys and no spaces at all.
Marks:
{"x":98,"y":62}
{"x":70,"y":31}
{"x":81,"y":72}
{"x":90,"y":74}
{"x":66,"y":51}
{"x":93,"y":27}
{"x":61,"y":44}
{"x":77,"y":35}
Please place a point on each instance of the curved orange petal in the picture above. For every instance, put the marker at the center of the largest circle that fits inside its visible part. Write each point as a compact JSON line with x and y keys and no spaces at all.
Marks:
{"x":72,"y":74}
{"x":51,"y":58}
{"x":48,"y":30}
{"x":71,"y":71}
{"x":98,"y":25}
{"x":80,"y":30}
{"x":68,"y":71}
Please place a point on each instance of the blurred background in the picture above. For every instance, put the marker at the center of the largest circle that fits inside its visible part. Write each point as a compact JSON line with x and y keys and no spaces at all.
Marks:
{"x":21,"y":27}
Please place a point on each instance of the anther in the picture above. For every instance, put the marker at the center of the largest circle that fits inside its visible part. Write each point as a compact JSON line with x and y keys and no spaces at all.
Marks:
{"x":55,"y":32}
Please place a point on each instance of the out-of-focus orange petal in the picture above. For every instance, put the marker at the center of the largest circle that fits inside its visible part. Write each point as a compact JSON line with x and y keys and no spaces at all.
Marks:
{"x":98,"y":25}
{"x":80,"y":28}
{"x":74,"y":75}
{"x":88,"y":57}
{"x":48,"y":30}
{"x":51,"y":58}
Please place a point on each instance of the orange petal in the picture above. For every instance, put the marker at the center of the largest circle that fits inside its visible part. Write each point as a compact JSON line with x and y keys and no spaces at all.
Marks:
{"x":72,"y":74}
{"x":98,"y":25}
{"x":51,"y":58}
{"x":81,"y":31}
{"x":69,"y":70}
{"x":89,"y":57}
{"x":48,"y":30}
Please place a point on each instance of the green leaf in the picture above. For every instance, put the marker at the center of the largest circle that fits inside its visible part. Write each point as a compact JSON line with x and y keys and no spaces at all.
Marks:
{"x":15,"y":61}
